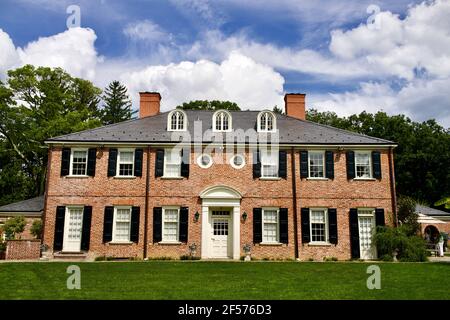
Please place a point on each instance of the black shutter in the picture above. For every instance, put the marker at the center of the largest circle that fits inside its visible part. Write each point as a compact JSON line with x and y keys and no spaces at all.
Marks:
{"x":108,"y":224}
{"x":185,"y":157}
{"x":354,"y":233}
{"x":138,"y":156}
{"x":256,"y":164}
{"x":157,"y":224}
{"x":282,"y":164}
{"x":376,"y":164}
{"x":59,"y":228}
{"x":329,"y":164}
{"x":112,"y":162}
{"x":257,"y":225}
{"x":65,"y":162}
{"x":92,"y":159}
{"x":332,"y":226}
{"x":159,"y":165}
{"x":305,"y":225}
{"x":303,"y":164}
{"x":86,"y":228}
{"x":379,"y":217}
{"x":184,"y":217}
{"x":284,"y":237}
{"x":350,"y":164}
{"x":134,"y":228}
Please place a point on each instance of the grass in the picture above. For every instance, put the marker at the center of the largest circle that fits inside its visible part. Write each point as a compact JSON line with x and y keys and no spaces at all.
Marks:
{"x":224,"y":280}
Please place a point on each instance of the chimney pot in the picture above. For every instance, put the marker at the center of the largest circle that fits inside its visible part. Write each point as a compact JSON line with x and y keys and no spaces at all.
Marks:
{"x":149,"y":104}
{"x":294,"y":105}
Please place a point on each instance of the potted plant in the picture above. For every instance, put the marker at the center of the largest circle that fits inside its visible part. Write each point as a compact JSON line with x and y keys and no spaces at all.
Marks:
{"x":247,"y":250}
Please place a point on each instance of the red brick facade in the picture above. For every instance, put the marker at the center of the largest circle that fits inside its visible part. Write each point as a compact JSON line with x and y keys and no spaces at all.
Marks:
{"x":23,"y":249}
{"x":101,"y":191}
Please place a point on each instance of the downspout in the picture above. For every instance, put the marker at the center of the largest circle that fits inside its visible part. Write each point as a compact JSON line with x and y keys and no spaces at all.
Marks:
{"x":47,"y":178}
{"x":294,"y":202}
{"x":147,"y":193}
{"x":392,"y":178}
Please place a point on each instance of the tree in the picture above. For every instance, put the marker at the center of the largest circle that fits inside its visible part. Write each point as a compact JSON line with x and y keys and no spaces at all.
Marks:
{"x":117,"y":106}
{"x":36,"y":228}
{"x":407,"y":215}
{"x":277,"y":110}
{"x":443,"y":202}
{"x":14,"y":226}
{"x":37,"y":104}
{"x":210,"y":105}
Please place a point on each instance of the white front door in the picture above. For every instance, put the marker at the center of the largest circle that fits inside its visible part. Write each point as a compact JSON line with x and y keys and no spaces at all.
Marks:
{"x":366,"y":232}
{"x":73,"y":224}
{"x":220,"y":239}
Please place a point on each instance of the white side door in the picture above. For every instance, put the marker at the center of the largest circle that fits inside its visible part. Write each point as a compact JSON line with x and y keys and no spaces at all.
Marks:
{"x":220,"y":234}
{"x":73,"y":224}
{"x":366,"y":233}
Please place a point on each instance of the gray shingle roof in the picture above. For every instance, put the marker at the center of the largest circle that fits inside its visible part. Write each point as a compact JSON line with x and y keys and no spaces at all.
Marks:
{"x":430,"y":211}
{"x":29,"y":205}
{"x":153,"y":129}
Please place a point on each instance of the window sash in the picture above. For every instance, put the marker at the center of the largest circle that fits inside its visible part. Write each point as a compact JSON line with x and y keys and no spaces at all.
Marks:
{"x":170,"y":227}
{"x":122,"y":224}
{"x":266,"y":121}
{"x":177,"y":121}
{"x":270,"y":226}
{"x":78,"y":164}
{"x":222,"y":121}
{"x":269,"y":164}
{"x":125,"y":164}
{"x":363,"y":165}
{"x":316,"y":162}
{"x":172,"y":163}
{"x":318,"y":225}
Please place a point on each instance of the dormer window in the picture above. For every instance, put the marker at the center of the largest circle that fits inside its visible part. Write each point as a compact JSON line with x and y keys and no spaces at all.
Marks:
{"x":266,"y":122}
{"x":177,"y":121}
{"x":222,"y":121}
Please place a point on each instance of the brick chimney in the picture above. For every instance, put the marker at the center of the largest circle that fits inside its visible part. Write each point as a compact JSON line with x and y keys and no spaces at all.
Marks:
{"x":294,"y":105}
{"x":149,"y":104}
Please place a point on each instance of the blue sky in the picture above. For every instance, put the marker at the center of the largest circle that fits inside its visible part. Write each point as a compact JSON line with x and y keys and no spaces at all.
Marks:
{"x":347,"y":56}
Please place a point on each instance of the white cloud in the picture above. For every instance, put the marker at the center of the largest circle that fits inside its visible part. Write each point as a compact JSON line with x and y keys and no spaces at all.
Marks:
{"x":8,"y":54}
{"x":146,"y":30}
{"x":72,"y":50}
{"x":238,"y":78}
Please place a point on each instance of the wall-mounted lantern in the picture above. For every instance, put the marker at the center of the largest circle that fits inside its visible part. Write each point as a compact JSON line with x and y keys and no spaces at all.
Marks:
{"x":196,"y":216}
{"x":244,"y":216}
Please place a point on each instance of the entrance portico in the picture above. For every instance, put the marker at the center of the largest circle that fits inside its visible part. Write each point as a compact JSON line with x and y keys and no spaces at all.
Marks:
{"x":221,"y":207}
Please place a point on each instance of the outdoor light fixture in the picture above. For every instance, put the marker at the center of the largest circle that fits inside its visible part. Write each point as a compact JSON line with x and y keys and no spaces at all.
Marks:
{"x":196,"y":216}
{"x":244,"y":216}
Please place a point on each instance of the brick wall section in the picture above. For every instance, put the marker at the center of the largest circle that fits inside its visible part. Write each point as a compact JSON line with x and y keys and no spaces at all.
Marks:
{"x":23,"y":249}
{"x":101,"y":191}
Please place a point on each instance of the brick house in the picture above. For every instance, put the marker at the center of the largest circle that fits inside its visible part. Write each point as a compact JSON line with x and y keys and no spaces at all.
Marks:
{"x":167,"y":182}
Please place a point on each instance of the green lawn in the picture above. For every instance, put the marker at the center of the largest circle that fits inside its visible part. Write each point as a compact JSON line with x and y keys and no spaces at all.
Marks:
{"x":224,"y":280}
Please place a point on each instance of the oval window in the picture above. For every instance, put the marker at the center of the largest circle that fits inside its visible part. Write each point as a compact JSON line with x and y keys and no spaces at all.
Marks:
{"x":237,"y":161}
{"x":204,"y":160}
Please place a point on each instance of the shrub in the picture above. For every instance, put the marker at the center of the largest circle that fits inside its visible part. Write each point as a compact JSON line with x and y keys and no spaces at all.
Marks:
{"x":407,"y":215}
{"x":160,"y":258}
{"x":14,"y":226}
{"x":410,"y":247}
{"x":36,"y":228}
{"x":189,"y":257}
{"x":2,"y":246}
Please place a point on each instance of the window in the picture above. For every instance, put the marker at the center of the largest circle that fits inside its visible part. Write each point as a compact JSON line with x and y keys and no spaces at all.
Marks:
{"x":363,"y":168}
{"x":270,"y":225}
{"x":237,"y":161}
{"x":204,"y":160}
{"x":79,"y":162}
{"x":222,"y":121}
{"x":266,"y":121}
{"x":125,"y":163}
{"x":316,"y":164}
{"x":269,"y":164}
{"x":122,"y":221}
{"x":170,"y":224}
{"x":172,"y":163}
{"x":318,"y":222}
{"x":176,"y":121}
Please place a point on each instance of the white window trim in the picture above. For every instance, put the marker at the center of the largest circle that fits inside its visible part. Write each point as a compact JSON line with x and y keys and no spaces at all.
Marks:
{"x":278,"y":225}
{"x":72,"y":150}
{"x":327,"y":236}
{"x":199,"y":160}
{"x":230,"y":122}
{"x":169,"y":120}
{"x":163,"y":223}
{"x":370,"y":165}
{"x":274,"y":123}
{"x":366,"y":212}
{"x":323,"y":165}
{"x":234,"y":165}
{"x":170,"y":150}
{"x":114,"y":240}
{"x":263,"y":177}
{"x":118,"y":162}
